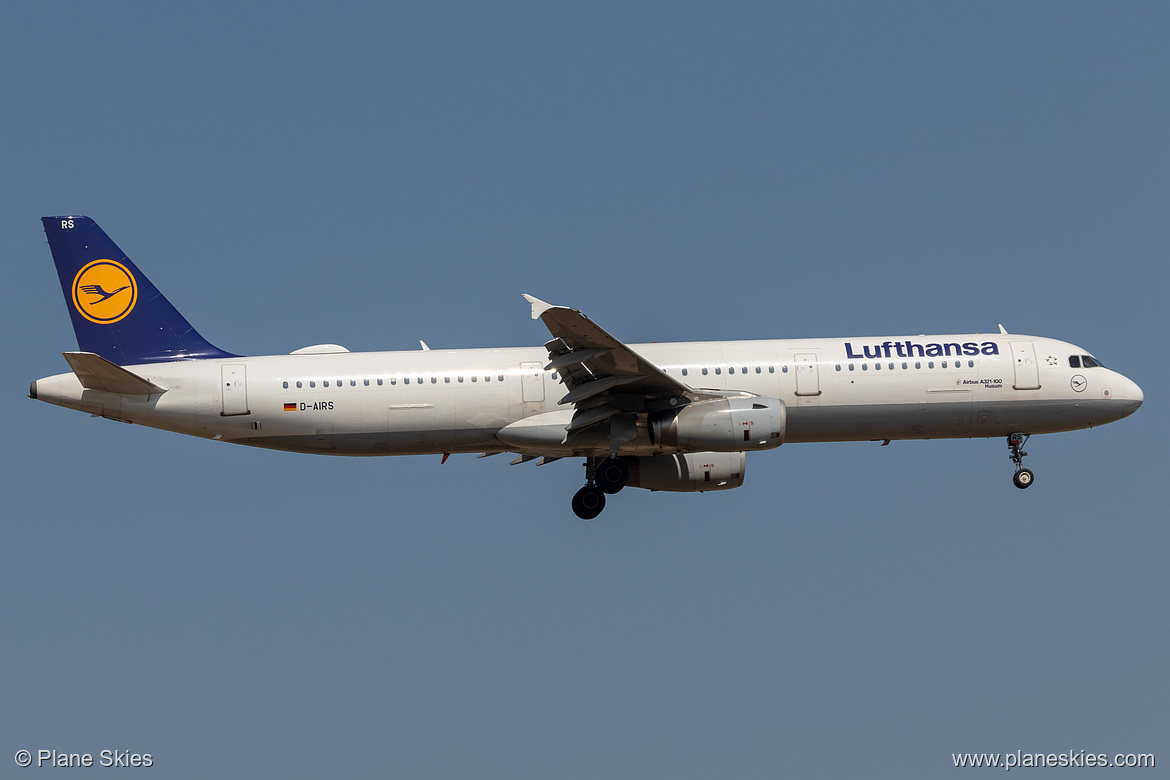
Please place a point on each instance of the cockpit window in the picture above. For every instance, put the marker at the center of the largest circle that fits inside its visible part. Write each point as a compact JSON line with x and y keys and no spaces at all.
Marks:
{"x":1074,"y":361}
{"x":1089,"y":362}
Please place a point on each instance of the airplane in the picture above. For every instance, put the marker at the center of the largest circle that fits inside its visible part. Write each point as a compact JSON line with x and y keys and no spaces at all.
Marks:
{"x":662,"y":416}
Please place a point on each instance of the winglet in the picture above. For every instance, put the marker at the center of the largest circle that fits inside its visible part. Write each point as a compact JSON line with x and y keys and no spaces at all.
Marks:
{"x":539,"y":307}
{"x":1002,"y":330}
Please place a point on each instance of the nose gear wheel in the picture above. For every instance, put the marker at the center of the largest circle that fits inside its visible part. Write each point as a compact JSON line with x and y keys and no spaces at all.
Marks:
{"x":1023,"y":477}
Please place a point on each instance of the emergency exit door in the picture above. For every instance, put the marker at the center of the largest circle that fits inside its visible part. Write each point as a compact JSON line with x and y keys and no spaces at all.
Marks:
{"x":808,"y":379}
{"x":532,"y":382}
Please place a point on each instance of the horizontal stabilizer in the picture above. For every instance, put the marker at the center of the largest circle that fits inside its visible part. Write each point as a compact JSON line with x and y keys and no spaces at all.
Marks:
{"x":97,"y":373}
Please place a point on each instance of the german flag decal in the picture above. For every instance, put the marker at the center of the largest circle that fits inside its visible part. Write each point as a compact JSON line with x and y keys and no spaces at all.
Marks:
{"x":290,"y":407}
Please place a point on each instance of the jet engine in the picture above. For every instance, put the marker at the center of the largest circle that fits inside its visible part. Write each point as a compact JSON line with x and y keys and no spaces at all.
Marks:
{"x":693,"y":471}
{"x":722,"y":425}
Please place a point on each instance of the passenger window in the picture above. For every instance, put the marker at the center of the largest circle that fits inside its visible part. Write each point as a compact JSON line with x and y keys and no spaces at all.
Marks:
{"x":325,"y":383}
{"x":406,"y":380}
{"x":758,"y":370}
{"x":891,"y":366}
{"x":772,"y":369}
{"x":877,"y":366}
{"x":434,"y":380}
{"x":850,"y":366}
{"x":970,"y":364}
{"x":717,"y":370}
{"x":366,"y":382}
{"x":684,"y":372}
{"x":461,"y":378}
{"x":944,"y":364}
{"x":501,"y":377}
{"x":284,"y":385}
{"x":905,"y":366}
{"x":312,"y":383}
{"x":1074,"y":361}
{"x":353,"y":383}
{"x":743,"y":370}
{"x":918,"y":364}
{"x":474,"y":378}
{"x":930,"y":364}
{"x":838,"y":366}
{"x":380,"y":382}
{"x":340,"y":383}
{"x":446,"y":380}
{"x":298,"y":384}
{"x":704,"y":372}
{"x":865,"y":366}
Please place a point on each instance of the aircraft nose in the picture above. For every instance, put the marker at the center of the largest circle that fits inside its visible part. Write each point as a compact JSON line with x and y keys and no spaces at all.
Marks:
{"x":1131,"y":395}
{"x":1134,"y":393}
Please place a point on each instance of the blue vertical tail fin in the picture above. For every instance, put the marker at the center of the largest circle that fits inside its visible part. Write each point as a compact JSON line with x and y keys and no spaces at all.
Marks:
{"x":116,"y":311}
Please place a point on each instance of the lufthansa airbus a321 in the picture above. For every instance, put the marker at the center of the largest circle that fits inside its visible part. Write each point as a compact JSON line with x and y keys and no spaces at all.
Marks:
{"x":679,"y":416}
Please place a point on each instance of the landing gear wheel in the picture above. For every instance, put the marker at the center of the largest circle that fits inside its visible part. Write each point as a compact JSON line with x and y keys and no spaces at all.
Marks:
{"x":611,"y":475}
{"x":588,"y":502}
{"x":1023,"y":477}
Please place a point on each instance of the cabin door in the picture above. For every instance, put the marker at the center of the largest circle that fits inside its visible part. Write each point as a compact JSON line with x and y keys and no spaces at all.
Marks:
{"x":234,"y":387}
{"x":1027,"y":372}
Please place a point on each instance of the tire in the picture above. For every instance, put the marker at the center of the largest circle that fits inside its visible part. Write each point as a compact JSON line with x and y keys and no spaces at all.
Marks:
{"x":612,"y":475}
{"x":1023,"y":478}
{"x":588,"y":502}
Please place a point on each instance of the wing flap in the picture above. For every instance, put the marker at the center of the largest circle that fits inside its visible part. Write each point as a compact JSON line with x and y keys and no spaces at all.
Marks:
{"x":596,"y":387}
{"x":574,"y":357}
{"x":585,"y":418}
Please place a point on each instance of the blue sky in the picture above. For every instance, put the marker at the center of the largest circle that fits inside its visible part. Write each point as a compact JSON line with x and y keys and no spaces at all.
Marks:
{"x":374,"y":174}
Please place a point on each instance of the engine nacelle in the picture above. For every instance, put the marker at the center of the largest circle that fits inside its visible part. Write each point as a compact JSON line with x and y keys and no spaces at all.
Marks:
{"x":694,"y":471}
{"x":722,"y":425}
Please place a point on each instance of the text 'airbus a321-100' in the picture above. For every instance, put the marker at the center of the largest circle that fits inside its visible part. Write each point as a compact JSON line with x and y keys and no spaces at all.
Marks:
{"x":678,"y":417}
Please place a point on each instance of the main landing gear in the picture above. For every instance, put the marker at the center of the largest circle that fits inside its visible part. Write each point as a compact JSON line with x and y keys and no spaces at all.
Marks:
{"x":604,"y":476}
{"x":1023,"y":477}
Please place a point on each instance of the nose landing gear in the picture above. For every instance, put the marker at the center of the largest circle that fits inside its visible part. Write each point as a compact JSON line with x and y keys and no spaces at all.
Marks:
{"x":1023,"y":477}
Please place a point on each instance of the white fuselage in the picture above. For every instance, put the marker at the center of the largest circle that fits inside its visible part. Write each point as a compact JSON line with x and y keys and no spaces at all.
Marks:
{"x":440,"y":401}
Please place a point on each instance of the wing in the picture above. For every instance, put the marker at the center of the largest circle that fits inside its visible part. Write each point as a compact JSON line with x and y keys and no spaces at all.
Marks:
{"x":608,"y":383}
